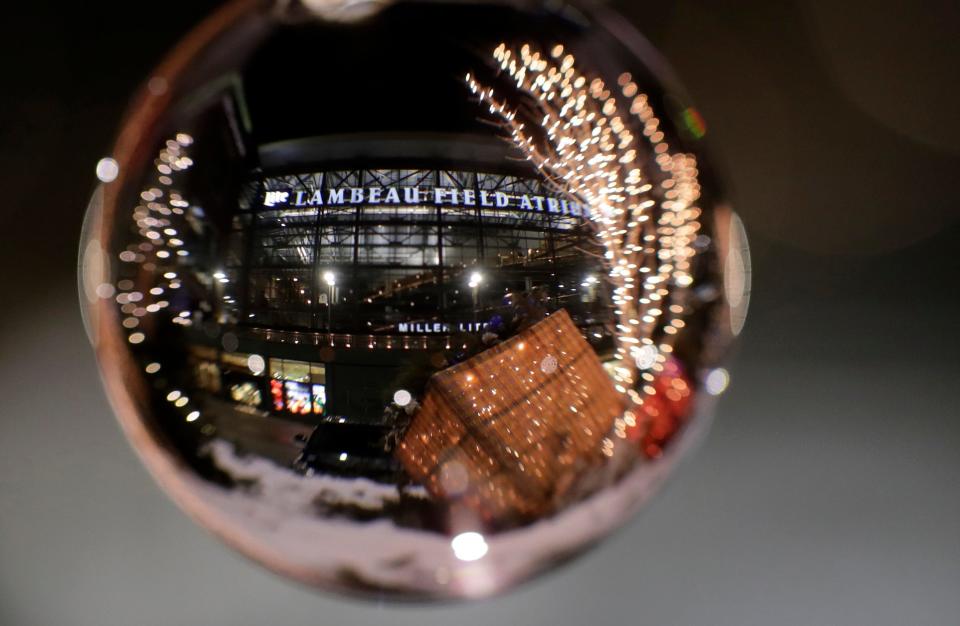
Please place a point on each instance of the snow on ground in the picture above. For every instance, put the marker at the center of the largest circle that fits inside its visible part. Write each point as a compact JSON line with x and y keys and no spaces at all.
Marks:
{"x":288,"y":490}
{"x":276,"y":521}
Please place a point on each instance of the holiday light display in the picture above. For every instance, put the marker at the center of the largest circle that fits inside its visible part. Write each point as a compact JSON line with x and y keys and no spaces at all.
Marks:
{"x":422,"y":335}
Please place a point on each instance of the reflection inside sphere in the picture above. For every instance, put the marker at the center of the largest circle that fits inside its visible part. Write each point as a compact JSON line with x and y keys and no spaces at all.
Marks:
{"x":416,"y":303}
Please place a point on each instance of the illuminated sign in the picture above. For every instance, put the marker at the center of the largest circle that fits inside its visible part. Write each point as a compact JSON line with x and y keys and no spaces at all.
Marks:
{"x":430,"y":328}
{"x":306,"y":197}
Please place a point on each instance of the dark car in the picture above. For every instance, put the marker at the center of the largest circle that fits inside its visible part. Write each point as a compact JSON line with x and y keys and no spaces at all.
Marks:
{"x":351,"y":450}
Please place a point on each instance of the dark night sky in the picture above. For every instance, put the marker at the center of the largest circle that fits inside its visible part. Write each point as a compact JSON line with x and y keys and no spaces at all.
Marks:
{"x":827,"y":492}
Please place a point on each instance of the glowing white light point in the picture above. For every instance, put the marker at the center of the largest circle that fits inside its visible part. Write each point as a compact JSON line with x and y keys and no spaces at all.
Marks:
{"x":717,"y":381}
{"x":645,"y":357}
{"x":256,"y":363}
{"x":402,"y":397}
{"x":475,"y":279}
{"x":469,"y":546}
{"x":193,"y":416}
{"x":107,"y":169}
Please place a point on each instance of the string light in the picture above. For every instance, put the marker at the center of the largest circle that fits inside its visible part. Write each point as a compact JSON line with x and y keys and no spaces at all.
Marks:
{"x":591,"y":148}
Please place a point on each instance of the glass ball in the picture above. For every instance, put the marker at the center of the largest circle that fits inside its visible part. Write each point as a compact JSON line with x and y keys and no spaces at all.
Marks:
{"x":411,"y":299}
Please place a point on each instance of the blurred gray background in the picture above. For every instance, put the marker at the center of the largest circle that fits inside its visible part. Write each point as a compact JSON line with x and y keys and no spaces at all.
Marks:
{"x":829,"y":489}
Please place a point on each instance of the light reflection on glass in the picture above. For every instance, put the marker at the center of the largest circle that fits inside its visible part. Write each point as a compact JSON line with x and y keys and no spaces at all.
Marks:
{"x":469,"y":546}
{"x":107,"y":170}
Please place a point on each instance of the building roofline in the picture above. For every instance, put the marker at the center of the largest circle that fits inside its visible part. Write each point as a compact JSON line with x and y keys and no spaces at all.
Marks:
{"x":441,"y":151}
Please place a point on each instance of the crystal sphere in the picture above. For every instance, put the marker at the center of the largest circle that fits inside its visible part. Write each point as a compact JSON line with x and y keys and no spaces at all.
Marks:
{"x":411,"y":299}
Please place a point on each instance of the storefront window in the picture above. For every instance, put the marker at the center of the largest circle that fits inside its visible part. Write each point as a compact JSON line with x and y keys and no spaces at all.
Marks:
{"x":203,"y":365}
{"x":298,"y":387}
{"x":240,"y":363}
{"x":207,"y":376}
{"x":319,"y":399}
{"x":276,"y":394}
{"x":298,"y":398}
{"x":297,"y":371}
{"x":246,"y":393}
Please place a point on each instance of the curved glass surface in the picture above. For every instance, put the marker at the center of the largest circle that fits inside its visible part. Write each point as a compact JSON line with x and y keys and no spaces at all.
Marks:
{"x":411,"y":299}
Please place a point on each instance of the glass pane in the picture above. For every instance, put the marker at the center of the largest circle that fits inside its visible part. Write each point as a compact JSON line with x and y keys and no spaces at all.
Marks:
{"x":276,"y":369}
{"x":298,"y":371}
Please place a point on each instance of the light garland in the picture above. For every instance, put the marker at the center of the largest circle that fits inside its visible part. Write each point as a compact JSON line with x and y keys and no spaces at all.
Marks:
{"x":591,"y":148}
{"x":160,"y":243}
